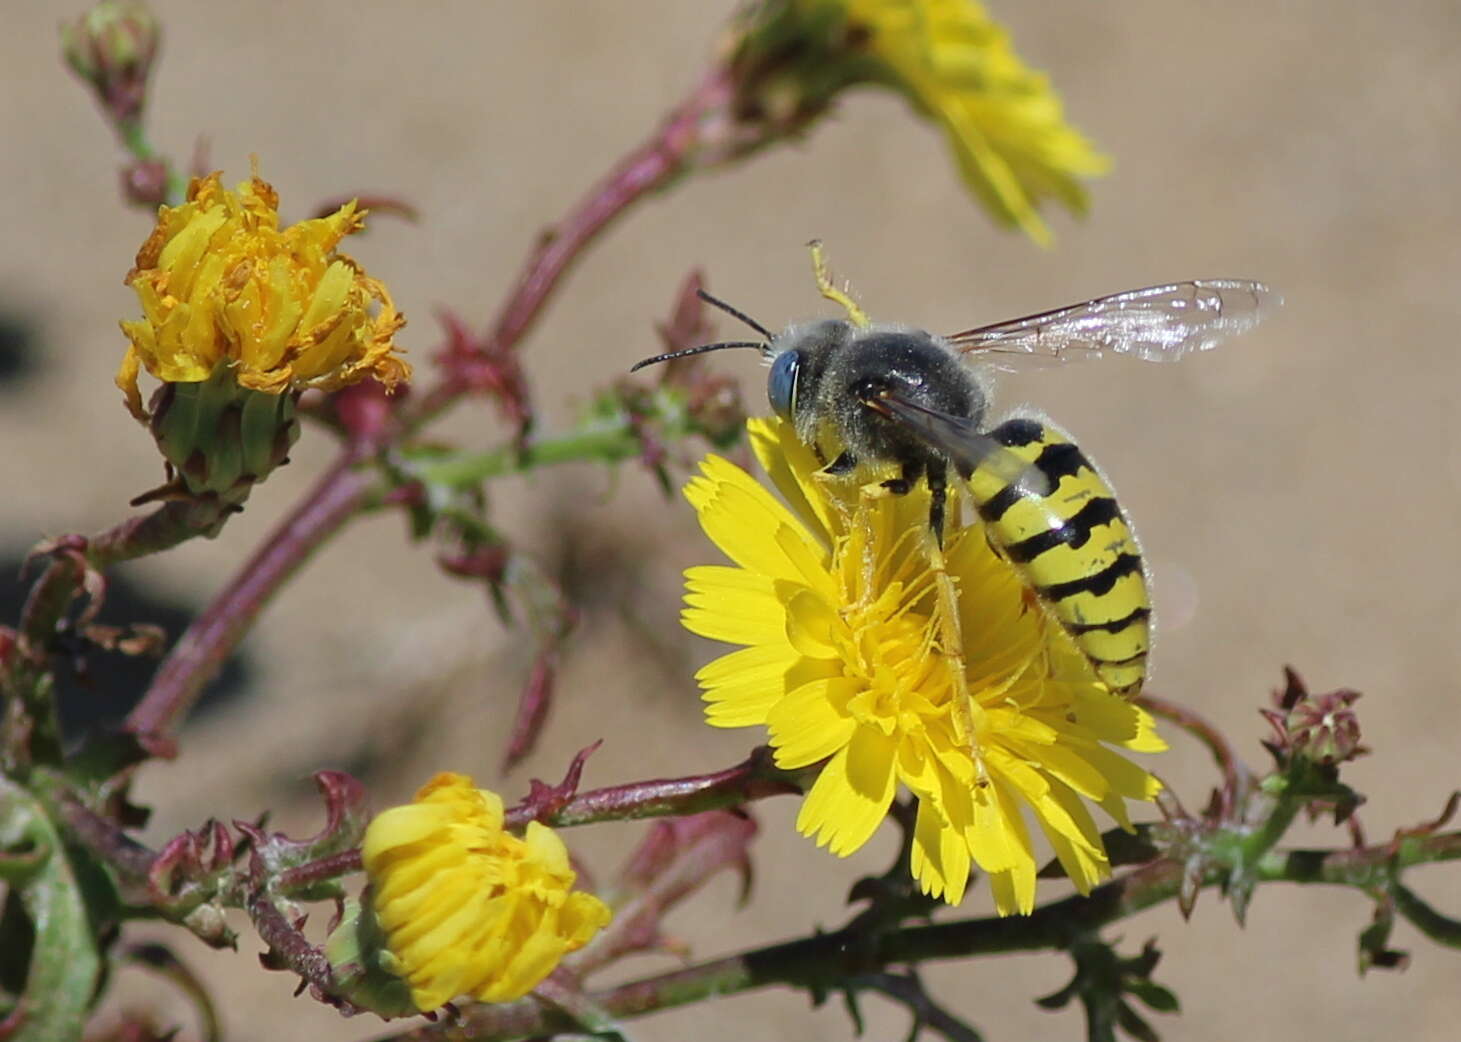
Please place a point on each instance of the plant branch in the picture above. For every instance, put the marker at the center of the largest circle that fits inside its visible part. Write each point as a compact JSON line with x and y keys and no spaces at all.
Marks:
{"x":602,"y":440}
{"x":822,"y":960}
{"x":1440,"y":928}
{"x":755,"y":778}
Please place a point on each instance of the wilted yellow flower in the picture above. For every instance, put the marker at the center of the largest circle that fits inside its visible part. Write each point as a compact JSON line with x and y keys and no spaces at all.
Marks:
{"x":466,"y":908}
{"x":834,"y":599}
{"x":221,"y":283}
{"x":953,"y":62}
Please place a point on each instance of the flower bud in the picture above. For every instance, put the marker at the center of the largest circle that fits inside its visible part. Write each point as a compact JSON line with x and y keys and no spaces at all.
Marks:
{"x":1324,"y":728}
{"x":463,"y":907}
{"x":112,"y":47}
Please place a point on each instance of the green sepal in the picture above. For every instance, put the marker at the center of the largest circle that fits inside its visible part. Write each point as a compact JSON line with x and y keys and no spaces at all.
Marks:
{"x":221,"y":438}
{"x":267,"y":429}
{"x":361,"y":964}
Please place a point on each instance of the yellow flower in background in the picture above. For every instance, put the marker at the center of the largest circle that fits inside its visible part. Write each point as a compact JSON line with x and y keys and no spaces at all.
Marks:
{"x":834,"y":601}
{"x":467,"y":908}
{"x":953,"y":62}
{"x":220,"y":283}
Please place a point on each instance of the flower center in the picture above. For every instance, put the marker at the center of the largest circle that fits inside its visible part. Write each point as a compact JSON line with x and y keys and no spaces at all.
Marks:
{"x":892,"y":653}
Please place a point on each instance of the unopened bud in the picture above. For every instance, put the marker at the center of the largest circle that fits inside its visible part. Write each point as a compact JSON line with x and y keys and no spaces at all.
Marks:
{"x":145,"y":182}
{"x":1324,"y":728}
{"x":112,"y":47}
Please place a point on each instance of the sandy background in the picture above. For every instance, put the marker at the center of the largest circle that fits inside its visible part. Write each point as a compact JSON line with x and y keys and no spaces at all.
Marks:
{"x":1297,"y":492}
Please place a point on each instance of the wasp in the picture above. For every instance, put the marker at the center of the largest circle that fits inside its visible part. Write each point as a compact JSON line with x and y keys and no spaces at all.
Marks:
{"x":878,"y":397}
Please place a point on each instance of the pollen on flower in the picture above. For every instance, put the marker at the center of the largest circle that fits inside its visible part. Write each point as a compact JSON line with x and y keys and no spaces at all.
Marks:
{"x":467,"y":908}
{"x":221,"y":284}
{"x":835,"y":601}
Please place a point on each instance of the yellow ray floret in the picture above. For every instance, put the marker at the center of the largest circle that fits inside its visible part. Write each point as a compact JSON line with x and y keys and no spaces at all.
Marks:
{"x":838,"y":608}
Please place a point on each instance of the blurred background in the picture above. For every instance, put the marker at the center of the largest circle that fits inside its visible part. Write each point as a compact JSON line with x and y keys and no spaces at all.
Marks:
{"x":1297,"y":492}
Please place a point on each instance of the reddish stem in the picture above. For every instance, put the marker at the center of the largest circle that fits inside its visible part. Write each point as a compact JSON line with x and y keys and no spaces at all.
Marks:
{"x":294,"y":880}
{"x":1237,"y":779}
{"x":647,"y":168}
{"x":757,"y":777}
{"x":201,"y":651}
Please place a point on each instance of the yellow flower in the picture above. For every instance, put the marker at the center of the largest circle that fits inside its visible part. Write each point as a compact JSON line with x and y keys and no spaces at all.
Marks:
{"x":219,"y":282}
{"x":466,"y":908}
{"x":954,"y":63}
{"x":835,"y":603}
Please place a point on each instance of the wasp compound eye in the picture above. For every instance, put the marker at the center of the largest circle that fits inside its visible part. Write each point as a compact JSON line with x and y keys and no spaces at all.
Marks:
{"x":781,"y":386}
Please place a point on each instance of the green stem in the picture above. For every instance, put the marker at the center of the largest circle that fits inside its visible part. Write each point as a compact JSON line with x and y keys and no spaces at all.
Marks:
{"x":134,"y":139}
{"x":1439,"y":928}
{"x":603,"y":441}
{"x":1284,"y":808}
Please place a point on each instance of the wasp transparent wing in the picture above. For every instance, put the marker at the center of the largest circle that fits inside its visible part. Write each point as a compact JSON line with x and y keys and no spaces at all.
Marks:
{"x":1156,"y":324}
{"x":967,"y":447}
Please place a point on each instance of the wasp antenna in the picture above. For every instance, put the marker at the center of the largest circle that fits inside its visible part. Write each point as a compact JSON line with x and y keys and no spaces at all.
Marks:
{"x":734,"y":313}
{"x":718,"y":346}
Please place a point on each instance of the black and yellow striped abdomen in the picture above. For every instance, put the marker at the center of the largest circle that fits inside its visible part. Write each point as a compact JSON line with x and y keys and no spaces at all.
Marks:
{"x":1074,"y":549}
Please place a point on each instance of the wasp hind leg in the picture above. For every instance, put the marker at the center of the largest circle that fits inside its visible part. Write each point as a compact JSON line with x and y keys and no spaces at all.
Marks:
{"x":830,"y":290}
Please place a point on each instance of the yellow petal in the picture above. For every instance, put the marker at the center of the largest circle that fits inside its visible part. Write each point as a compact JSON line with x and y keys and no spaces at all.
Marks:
{"x":741,"y":687}
{"x":939,"y":857}
{"x":850,"y":797}
{"x":790,"y":465}
{"x":811,"y":723}
{"x":737,"y":514}
{"x":1083,"y":858}
{"x":465,"y":907}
